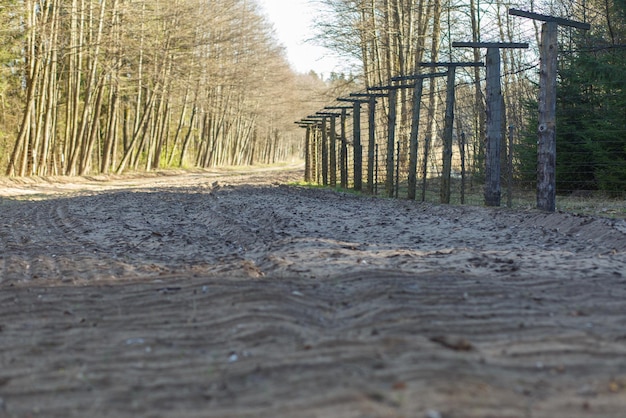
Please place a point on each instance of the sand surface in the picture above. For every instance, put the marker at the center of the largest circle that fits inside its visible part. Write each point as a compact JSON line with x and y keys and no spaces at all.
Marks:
{"x":228,"y":293}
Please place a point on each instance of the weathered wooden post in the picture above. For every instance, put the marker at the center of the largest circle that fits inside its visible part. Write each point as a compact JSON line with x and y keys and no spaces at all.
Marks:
{"x":371,"y":143}
{"x":509,"y":171}
{"x":546,"y":141}
{"x":358,"y":149}
{"x":495,"y":113}
{"x":397,"y":188}
{"x":314,"y":154}
{"x":418,"y":88}
{"x":414,"y":137}
{"x":370,"y":98}
{"x":546,"y":136}
{"x":448,"y":128}
{"x":391,"y":130}
{"x":308,"y":156}
{"x":318,"y":146}
{"x":325,"y":151}
{"x":344,"y":150}
{"x":462,"y":150}
{"x":391,"y":140}
{"x":308,"y":148}
{"x":376,"y":154}
{"x":343,"y":154}
{"x":356,"y":141}
{"x":332,"y":152}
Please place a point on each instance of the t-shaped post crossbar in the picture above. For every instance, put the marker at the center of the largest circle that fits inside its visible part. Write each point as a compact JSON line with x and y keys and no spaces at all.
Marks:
{"x":449,"y":122}
{"x":495,"y":113}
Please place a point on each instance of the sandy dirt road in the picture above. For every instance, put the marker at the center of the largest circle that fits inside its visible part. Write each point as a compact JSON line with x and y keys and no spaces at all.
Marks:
{"x":231,"y":294}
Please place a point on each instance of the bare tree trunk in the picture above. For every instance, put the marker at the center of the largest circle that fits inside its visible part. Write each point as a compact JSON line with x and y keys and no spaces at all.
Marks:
{"x":432,"y":100}
{"x":19,"y":156}
{"x":80,"y":156}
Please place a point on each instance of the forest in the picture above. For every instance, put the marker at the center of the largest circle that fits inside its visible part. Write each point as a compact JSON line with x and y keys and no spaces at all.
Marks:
{"x":112,"y":85}
{"x":104,"y":86}
{"x":394,"y":37}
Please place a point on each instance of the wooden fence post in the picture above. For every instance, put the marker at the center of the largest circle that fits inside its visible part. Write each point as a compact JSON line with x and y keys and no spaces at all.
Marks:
{"x":546,"y":136}
{"x":333,"y":151}
{"x":356,"y":140}
{"x":344,"y":150}
{"x":463,"y":172}
{"x":546,"y":143}
{"x":370,"y":98}
{"x":391,"y":140}
{"x":358,"y":151}
{"x":325,"y":151}
{"x":444,"y":195}
{"x":413,"y":140}
{"x":307,"y":155}
{"x":331,"y":145}
{"x":371,"y":143}
{"x":318,"y":154}
{"x":495,"y":115}
{"x":492,"y":190}
{"x":447,"y":137}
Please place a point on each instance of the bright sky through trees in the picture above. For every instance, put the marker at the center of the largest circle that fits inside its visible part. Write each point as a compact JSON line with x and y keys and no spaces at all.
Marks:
{"x":293,"y":21}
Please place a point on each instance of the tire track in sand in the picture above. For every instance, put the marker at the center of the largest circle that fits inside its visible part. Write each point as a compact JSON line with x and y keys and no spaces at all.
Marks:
{"x":366,"y":344}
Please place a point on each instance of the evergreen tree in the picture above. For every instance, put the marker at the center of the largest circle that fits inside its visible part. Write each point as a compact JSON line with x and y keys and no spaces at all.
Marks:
{"x":591,"y":110}
{"x":591,"y":116}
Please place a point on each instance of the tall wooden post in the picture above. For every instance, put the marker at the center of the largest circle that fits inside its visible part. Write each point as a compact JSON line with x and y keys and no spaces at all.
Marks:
{"x":371,"y":143}
{"x":356,"y":143}
{"x":546,"y":141}
{"x":413,"y":139}
{"x":447,"y":137}
{"x":391,"y":140}
{"x":448,"y":129}
{"x":332,"y":145}
{"x":546,"y":136}
{"x":391,"y":128}
{"x":495,"y":115}
{"x":308,"y":124}
{"x":325,"y":151}
{"x":509,"y":182}
{"x":313,"y":150}
{"x":343,"y":152}
{"x":493,"y":144}
{"x":370,"y":98}
{"x":319,"y":161}
{"x":463,"y":173}
{"x":307,"y":155}
{"x":333,"y":152}
{"x":319,"y":152}
{"x":315,"y":154}
{"x":358,"y":150}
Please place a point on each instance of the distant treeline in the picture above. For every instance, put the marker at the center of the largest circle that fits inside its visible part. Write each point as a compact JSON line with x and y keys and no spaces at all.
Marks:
{"x":99,"y":86}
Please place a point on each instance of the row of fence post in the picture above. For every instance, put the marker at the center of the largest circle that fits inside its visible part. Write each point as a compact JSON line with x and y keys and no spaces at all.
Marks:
{"x":321,"y":128}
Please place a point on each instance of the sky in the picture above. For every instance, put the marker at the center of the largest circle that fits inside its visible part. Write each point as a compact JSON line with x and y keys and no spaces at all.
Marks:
{"x":293,"y":21}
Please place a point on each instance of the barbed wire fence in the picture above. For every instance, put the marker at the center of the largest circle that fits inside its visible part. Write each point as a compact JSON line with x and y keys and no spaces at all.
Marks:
{"x":369,"y":167}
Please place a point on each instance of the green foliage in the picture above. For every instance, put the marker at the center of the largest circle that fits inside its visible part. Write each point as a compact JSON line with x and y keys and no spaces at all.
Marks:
{"x":10,"y":71}
{"x":525,"y":158}
{"x":591,"y":117}
{"x":591,"y":114}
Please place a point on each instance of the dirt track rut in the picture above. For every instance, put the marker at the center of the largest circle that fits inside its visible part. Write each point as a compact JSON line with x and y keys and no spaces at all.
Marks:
{"x":243,"y":298}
